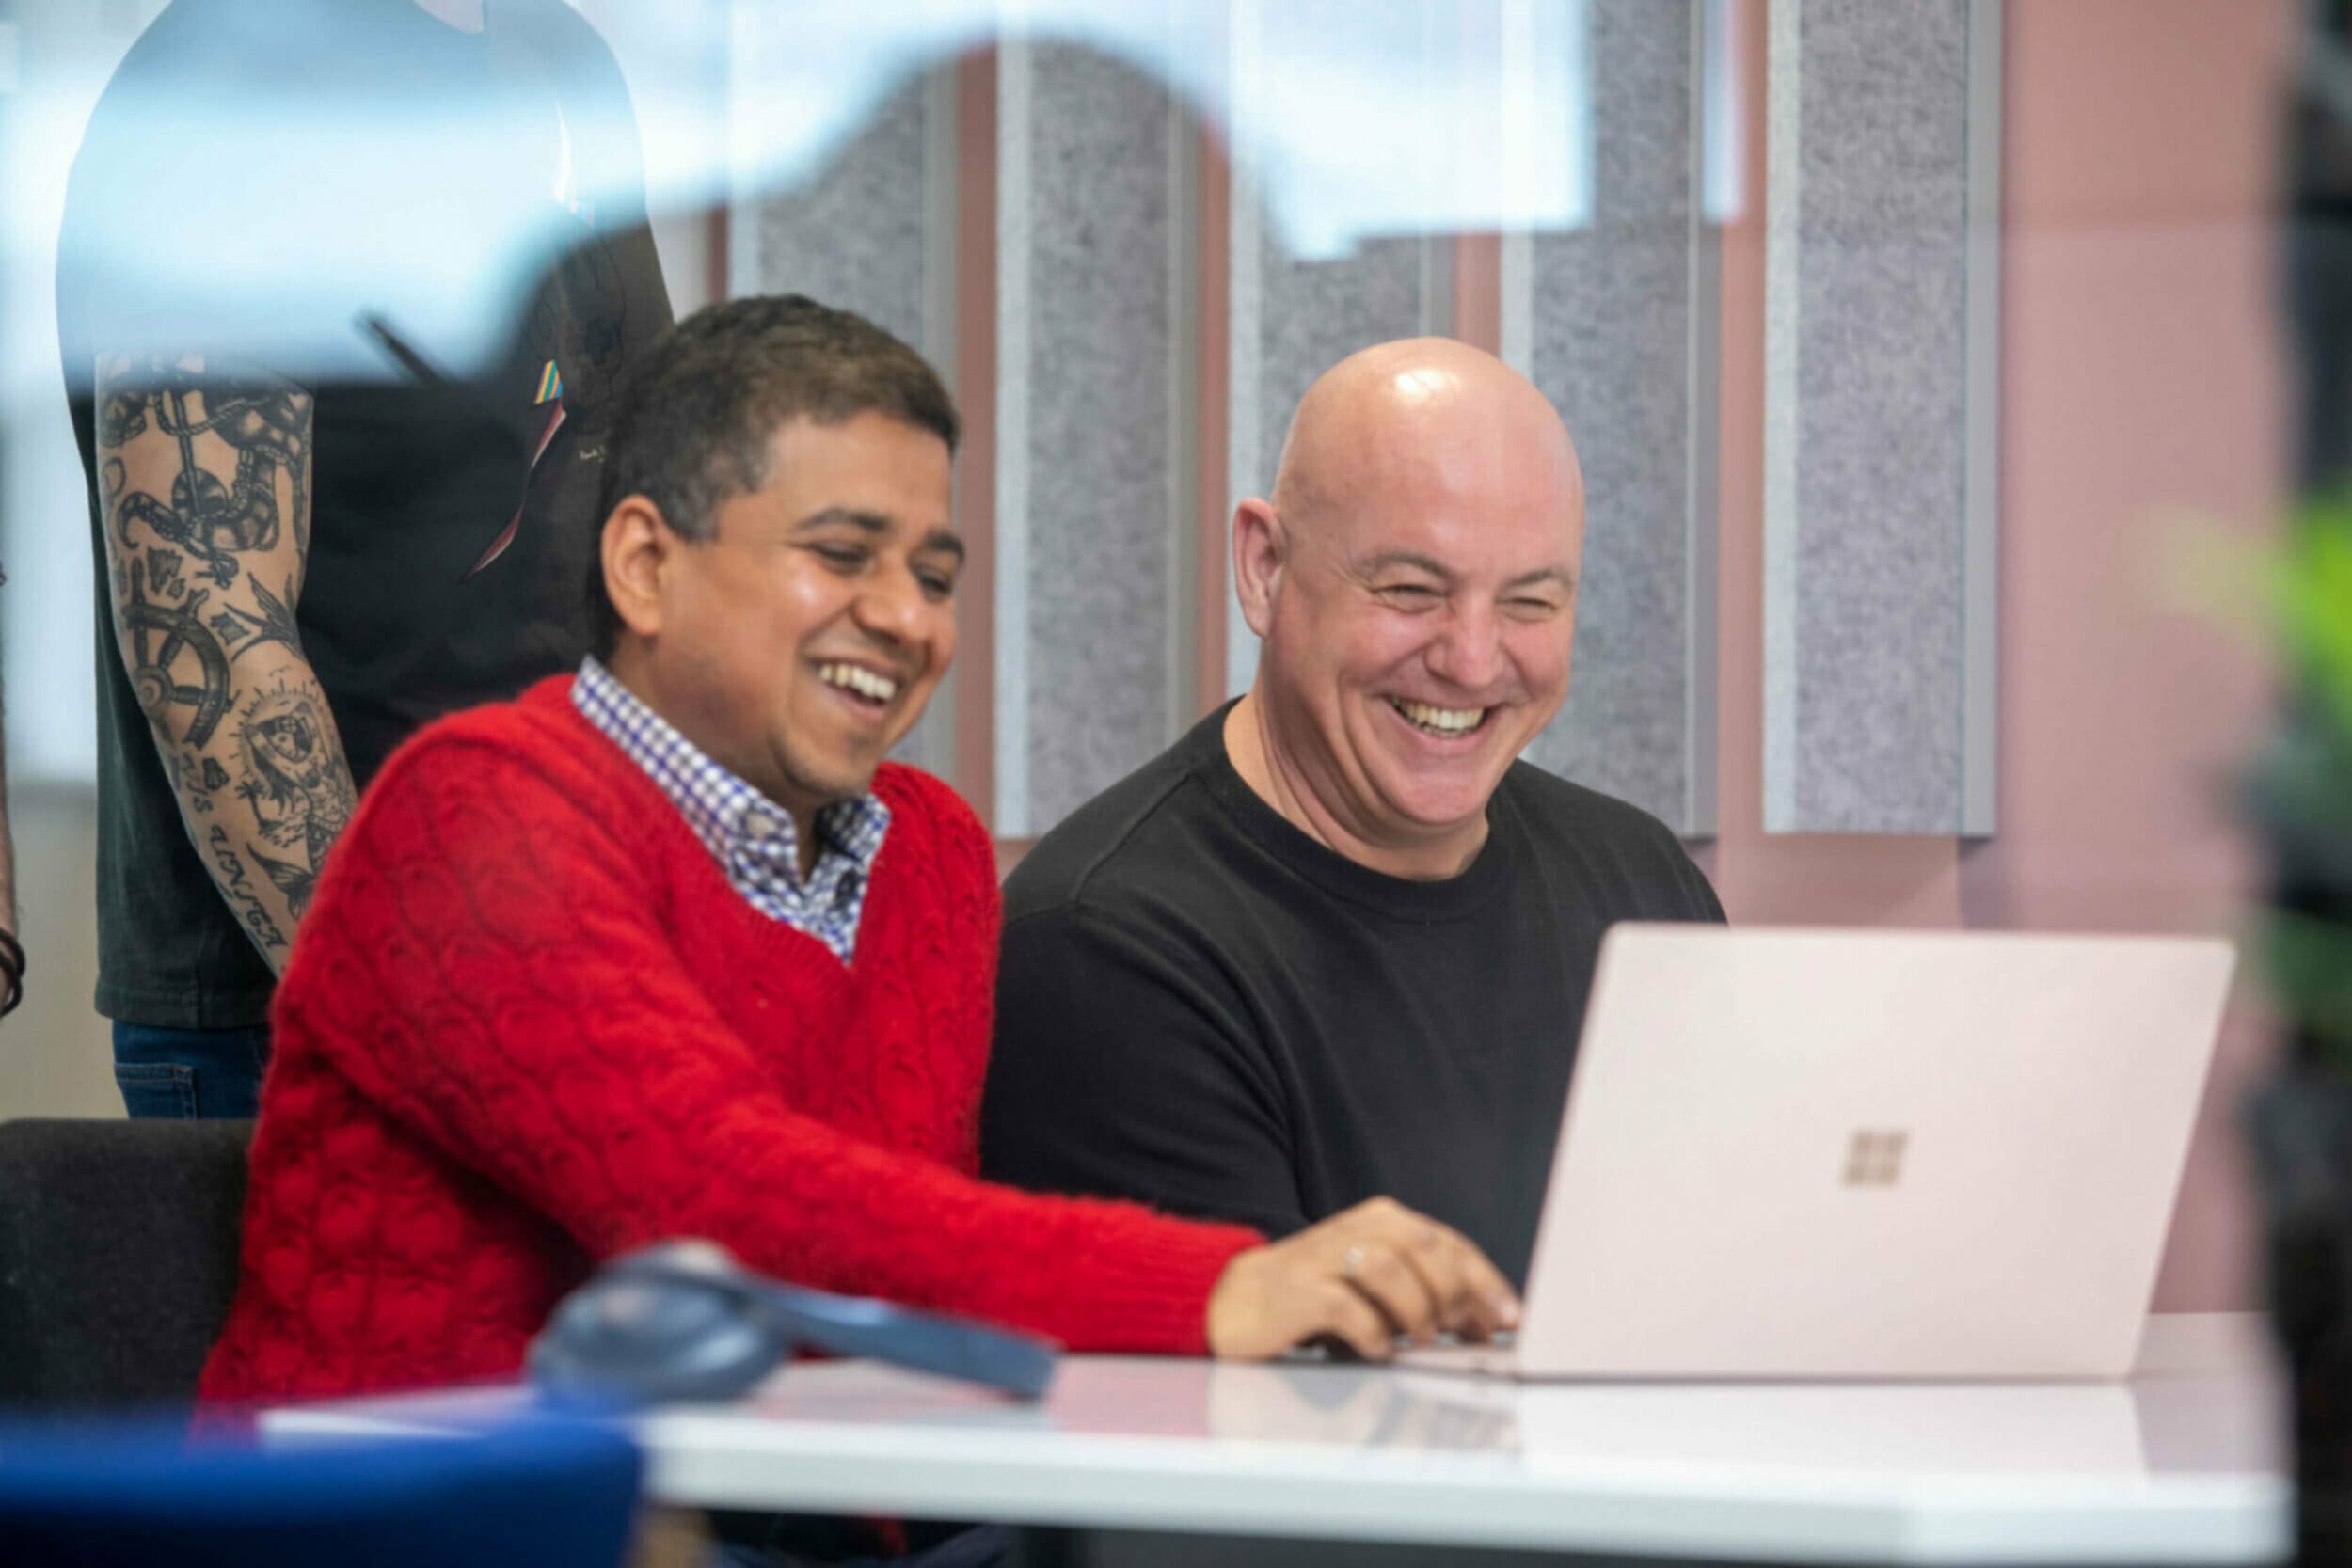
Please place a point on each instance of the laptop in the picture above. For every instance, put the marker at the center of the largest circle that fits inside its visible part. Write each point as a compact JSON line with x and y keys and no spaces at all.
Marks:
{"x":1794,"y":1153}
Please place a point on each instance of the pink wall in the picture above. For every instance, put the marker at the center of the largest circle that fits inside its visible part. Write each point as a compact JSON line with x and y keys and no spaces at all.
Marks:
{"x":2141,"y":381}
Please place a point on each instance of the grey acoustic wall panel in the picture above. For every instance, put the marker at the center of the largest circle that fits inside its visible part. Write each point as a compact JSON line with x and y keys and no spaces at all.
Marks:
{"x":1293,"y":318}
{"x":1882,"y":215}
{"x":1094,"y":508}
{"x":1616,"y":322}
{"x":1291,"y":321}
{"x":855,"y":235}
{"x":871,"y":230}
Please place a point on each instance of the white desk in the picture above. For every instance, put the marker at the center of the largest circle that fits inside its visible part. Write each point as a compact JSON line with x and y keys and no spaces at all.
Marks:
{"x":2180,"y":1464}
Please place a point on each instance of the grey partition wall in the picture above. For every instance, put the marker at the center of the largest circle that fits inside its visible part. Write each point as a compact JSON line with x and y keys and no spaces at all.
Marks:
{"x":1881,"y":465}
{"x":873,"y":230}
{"x":1294,"y":321}
{"x":1293,"y":317}
{"x":1616,"y":321}
{"x":855,"y":235}
{"x":1291,"y":321}
{"x":1095,"y":391}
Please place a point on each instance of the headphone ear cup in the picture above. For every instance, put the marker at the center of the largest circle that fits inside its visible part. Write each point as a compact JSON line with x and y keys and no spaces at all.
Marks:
{"x":654,"y":1335}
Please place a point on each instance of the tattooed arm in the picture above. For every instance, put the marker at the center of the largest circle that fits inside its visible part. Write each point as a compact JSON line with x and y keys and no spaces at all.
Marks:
{"x":206,"y":478}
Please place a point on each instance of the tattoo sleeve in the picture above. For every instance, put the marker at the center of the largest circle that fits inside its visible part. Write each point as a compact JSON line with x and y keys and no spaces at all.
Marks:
{"x":206,"y":484}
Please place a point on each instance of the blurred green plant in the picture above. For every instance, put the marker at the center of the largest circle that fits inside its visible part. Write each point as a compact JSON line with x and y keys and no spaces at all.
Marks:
{"x":2316,"y":601}
{"x":2300,"y":790}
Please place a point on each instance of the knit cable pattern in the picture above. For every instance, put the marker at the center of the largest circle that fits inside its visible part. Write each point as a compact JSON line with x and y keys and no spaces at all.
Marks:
{"x":528,"y":1025}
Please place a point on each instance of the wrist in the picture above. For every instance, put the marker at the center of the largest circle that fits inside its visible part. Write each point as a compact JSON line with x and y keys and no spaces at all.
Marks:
{"x":1223,"y":1328}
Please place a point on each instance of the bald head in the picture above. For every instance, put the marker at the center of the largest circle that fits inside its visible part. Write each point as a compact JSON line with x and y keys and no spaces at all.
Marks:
{"x":1426,"y":414}
{"x":1413,"y":587}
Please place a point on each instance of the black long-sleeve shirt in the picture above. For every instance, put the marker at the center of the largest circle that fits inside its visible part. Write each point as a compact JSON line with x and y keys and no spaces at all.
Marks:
{"x":1201,"y":1008}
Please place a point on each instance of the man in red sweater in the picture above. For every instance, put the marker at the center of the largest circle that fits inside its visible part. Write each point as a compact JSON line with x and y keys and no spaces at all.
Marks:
{"x":668,"y":949}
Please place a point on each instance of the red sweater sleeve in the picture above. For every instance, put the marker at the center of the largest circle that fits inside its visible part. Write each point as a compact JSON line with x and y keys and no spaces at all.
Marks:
{"x":488,"y":964}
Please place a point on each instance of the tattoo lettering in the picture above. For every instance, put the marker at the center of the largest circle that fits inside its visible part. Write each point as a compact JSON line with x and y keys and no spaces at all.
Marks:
{"x":216,"y":776}
{"x":186,"y":669}
{"x":264,"y":428}
{"x":239,"y":888}
{"x":187,"y":781}
{"x":297,"y":782}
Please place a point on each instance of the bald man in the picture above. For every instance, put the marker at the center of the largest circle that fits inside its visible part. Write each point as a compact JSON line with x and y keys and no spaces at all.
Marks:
{"x":1338,"y":939}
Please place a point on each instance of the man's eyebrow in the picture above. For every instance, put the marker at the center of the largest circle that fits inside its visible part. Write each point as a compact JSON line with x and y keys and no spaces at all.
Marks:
{"x":939,"y":540}
{"x":869,"y":522}
{"x":1373,"y":564}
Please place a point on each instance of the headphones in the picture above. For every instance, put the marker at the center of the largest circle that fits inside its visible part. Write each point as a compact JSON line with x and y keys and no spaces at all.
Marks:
{"x":685,"y":1320}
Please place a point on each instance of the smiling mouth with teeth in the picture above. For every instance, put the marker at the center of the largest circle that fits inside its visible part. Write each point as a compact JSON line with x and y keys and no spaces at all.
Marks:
{"x":859,"y":682}
{"x":1448,"y":723}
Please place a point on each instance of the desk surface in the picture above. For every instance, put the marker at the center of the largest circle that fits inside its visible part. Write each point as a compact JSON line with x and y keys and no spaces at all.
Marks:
{"x":2179,"y":1464}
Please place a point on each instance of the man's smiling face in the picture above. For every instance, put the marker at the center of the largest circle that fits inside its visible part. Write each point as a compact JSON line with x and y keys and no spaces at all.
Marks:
{"x":801,"y":642}
{"x":1419,"y":635}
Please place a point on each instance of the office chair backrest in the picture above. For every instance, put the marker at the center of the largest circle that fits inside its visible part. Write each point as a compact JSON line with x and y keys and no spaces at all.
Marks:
{"x":118,"y":1256}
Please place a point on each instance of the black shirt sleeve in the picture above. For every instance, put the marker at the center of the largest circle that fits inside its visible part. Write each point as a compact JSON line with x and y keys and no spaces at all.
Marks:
{"x":1095,"y":1020}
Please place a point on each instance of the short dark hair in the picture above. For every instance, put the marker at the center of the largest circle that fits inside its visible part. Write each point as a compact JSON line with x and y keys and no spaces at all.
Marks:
{"x":699,"y":411}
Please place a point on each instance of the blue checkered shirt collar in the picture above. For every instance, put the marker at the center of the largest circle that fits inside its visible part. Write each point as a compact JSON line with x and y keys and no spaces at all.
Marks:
{"x":750,"y":837}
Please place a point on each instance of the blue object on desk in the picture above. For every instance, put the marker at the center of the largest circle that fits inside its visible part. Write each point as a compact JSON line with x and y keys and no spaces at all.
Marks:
{"x":539,"y":1492}
{"x":685,"y":1320}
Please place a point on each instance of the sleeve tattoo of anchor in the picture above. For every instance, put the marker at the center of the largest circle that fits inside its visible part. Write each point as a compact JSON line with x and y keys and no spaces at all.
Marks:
{"x":205,"y":478}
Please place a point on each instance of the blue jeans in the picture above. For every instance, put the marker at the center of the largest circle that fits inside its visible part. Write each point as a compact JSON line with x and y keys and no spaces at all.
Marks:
{"x":188,"y":1073}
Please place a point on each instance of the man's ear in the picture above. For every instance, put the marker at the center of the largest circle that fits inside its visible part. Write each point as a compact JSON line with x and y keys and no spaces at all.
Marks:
{"x":636,"y":546}
{"x":1261,"y":549}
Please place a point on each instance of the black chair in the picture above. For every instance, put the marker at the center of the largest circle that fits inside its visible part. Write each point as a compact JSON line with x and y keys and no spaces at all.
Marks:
{"x":119,"y":1246}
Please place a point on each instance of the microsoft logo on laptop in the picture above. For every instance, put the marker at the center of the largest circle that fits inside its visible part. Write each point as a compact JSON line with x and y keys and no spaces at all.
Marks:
{"x":1875,"y":1158}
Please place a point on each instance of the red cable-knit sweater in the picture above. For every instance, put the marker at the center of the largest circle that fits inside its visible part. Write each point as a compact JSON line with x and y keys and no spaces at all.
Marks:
{"x":528,"y":1025}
